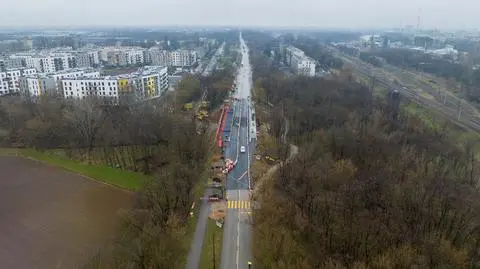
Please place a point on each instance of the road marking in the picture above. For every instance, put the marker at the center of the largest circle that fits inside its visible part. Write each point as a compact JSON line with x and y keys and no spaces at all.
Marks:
{"x":239,"y":204}
{"x":238,"y":179}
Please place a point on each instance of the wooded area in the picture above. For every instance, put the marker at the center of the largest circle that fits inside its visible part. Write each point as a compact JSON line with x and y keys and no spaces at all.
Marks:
{"x":157,"y":138}
{"x":372,"y":186}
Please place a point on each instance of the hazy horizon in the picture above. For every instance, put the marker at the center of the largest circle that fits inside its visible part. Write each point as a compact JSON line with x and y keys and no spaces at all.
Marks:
{"x":342,"y":14}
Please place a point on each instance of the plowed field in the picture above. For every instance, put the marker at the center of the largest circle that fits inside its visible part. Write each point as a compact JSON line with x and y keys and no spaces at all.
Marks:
{"x":51,"y":218}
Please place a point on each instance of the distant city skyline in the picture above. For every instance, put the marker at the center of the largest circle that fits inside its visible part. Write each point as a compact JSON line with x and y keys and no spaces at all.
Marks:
{"x":345,"y":14}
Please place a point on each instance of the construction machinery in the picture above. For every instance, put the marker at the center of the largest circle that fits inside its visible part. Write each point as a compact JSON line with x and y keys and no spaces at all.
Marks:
{"x":188,"y":106}
{"x":204,"y":104}
{"x":201,"y":114}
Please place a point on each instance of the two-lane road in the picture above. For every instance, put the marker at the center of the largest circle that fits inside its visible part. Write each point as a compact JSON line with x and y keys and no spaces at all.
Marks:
{"x":237,"y":238}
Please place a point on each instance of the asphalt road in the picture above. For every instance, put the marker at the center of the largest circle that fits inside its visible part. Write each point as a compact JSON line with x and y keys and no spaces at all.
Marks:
{"x":212,"y":64}
{"x":237,"y":237}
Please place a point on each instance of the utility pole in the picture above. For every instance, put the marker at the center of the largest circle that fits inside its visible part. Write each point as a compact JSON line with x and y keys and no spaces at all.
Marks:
{"x":460,"y":109}
{"x":213,"y":238}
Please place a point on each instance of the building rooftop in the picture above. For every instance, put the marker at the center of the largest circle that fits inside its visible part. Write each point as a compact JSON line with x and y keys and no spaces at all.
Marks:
{"x":144,"y":71}
{"x":18,"y":68}
{"x":73,"y":70}
{"x":68,"y":71}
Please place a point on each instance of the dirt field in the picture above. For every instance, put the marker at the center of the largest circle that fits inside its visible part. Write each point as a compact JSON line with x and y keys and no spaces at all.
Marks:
{"x":50,"y":218}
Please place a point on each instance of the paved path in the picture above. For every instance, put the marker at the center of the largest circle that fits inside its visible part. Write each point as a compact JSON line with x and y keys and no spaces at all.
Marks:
{"x":193,"y":258}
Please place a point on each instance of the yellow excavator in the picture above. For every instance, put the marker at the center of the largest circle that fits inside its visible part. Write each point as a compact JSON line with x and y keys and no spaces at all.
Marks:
{"x":201,"y":114}
{"x":188,"y":106}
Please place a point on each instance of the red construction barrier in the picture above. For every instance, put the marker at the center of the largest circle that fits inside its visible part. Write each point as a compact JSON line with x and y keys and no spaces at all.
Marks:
{"x":225,"y":109}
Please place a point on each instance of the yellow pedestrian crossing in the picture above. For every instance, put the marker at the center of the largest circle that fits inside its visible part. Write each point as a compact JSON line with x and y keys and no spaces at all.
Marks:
{"x":234,"y":204}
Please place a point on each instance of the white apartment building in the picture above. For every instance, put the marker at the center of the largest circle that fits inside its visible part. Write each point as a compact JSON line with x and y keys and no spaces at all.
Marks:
{"x":158,"y":56}
{"x":134,"y":56}
{"x":299,"y":62}
{"x":3,"y":84}
{"x":63,"y":61}
{"x":148,"y":82}
{"x":122,"y":56}
{"x":116,"y":58}
{"x":48,"y":62}
{"x":36,"y":85}
{"x":11,"y":63}
{"x":83,"y":60}
{"x":181,"y":58}
{"x":304,"y":66}
{"x":44,"y":64}
{"x":10,"y":79}
{"x":89,"y":58}
{"x":76,"y":73}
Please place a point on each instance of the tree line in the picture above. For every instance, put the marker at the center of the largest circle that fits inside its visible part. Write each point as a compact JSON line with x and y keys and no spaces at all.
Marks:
{"x":154,"y":231}
{"x":324,"y":58}
{"x":155,"y":137}
{"x":372,"y":186}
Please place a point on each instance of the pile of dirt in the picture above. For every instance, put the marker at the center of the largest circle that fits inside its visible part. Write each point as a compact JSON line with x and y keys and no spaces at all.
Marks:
{"x":217,"y":210}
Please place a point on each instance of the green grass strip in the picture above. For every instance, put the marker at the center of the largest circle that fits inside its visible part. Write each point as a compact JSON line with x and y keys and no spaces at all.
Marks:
{"x":123,"y":179}
{"x":213,"y":233}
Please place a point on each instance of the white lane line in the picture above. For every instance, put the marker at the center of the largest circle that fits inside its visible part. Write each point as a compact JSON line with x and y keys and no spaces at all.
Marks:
{"x":244,"y":173}
{"x":238,"y":239}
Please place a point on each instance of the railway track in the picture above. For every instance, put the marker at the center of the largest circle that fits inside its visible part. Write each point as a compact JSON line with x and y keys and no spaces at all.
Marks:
{"x":456,"y":110}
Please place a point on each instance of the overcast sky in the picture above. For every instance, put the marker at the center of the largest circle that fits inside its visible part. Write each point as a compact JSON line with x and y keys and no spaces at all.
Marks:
{"x":458,"y":14}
